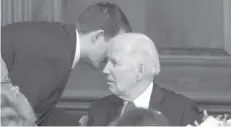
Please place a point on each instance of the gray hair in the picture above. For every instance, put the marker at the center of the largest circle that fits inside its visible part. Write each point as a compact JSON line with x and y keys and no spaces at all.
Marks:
{"x":146,"y":50}
{"x":143,"y":49}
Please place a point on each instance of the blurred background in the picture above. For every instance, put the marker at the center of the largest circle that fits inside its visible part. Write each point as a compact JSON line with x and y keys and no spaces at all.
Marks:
{"x":192,"y":36}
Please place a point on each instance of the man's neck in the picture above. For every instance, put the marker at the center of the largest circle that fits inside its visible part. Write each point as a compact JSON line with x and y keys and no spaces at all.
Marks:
{"x":137,"y":91}
{"x":84,"y":47}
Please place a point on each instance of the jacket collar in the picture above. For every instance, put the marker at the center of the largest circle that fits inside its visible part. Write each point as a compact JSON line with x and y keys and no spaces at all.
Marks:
{"x":157,"y":96}
{"x":69,"y":30}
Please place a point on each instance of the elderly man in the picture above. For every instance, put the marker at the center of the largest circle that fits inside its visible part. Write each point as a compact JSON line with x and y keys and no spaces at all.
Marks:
{"x":132,"y":65}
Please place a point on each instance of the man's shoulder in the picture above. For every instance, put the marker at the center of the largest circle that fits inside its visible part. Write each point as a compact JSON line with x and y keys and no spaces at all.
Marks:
{"x":20,"y":30}
{"x":177,"y":98}
{"x":110,"y":99}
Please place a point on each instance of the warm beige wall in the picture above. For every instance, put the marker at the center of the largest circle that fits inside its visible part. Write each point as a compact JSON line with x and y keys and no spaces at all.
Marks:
{"x":185,"y":23}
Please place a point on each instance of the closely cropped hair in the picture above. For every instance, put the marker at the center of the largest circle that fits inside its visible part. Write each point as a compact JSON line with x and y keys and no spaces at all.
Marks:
{"x":105,"y":16}
{"x":141,"y":117}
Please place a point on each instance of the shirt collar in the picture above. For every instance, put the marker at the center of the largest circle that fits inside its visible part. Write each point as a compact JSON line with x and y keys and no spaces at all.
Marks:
{"x":77,"y":50}
{"x":143,"y":100}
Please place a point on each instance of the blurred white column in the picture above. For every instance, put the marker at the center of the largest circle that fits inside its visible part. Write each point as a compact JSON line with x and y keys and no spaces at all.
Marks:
{"x":227,"y":25}
{"x":15,"y":11}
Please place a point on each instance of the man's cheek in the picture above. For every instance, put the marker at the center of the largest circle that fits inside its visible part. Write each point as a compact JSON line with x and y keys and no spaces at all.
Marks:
{"x":119,"y":75}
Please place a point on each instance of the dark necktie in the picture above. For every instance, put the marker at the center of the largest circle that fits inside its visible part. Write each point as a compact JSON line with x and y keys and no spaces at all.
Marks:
{"x":129,"y":106}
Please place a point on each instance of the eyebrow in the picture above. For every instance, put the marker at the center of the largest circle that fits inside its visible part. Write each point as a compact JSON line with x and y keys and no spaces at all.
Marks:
{"x":112,"y":58}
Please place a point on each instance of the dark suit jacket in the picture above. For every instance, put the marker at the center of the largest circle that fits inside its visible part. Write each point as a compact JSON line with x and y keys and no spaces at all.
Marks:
{"x":39,"y":56}
{"x":179,"y":110}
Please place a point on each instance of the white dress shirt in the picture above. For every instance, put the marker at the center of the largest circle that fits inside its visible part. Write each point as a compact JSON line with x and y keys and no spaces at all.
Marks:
{"x":4,"y":71}
{"x":77,"y":51}
{"x":143,"y":100}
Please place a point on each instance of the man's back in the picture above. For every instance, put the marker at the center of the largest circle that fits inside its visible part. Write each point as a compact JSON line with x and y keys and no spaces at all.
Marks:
{"x":39,"y":56}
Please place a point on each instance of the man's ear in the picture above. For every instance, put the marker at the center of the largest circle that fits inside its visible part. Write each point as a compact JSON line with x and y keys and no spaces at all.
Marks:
{"x":97,"y":35}
{"x":140,"y":71}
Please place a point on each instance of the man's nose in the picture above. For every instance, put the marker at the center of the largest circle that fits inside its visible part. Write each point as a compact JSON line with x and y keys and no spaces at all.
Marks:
{"x":106,"y":69}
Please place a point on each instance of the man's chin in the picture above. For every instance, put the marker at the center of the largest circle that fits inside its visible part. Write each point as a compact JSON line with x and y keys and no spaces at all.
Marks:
{"x":114,"y":92}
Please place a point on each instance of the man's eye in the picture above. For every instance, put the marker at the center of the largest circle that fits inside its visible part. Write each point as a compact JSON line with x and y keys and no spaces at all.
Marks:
{"x":114,"y":63}
{"x":105,"y":60}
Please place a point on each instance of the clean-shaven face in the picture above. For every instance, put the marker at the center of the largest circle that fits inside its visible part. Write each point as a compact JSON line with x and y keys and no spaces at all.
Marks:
{"x":100,"y":50}
{"x":99,"y":53}
{"x":121,"y":69}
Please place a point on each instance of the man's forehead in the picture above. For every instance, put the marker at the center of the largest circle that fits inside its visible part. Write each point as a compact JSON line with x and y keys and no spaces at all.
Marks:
{"x":113,"y":47}
{"x":115,"y":53}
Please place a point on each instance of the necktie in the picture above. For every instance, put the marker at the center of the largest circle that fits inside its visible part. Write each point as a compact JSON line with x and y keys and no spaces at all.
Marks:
{"x":129,"y":106}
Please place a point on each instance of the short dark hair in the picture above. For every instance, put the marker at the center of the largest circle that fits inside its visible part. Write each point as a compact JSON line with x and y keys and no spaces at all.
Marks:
{"x":105,"y":16}
{"x":141,"y":117}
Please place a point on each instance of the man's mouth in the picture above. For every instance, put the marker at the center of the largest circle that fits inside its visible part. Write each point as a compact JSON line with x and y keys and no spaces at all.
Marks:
{"x":110,"y":81}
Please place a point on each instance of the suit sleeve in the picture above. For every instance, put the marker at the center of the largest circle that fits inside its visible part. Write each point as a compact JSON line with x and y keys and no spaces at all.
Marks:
{"x":190,"y":114}
{"x":90,"y":116}
{"x":96,"y":116}
{"x":8,"y":53}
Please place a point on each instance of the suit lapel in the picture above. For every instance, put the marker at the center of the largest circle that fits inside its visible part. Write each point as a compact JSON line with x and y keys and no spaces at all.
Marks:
{"x":157,"y":98}
{"x":116,"y":105}
{"x":115,"y":108}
